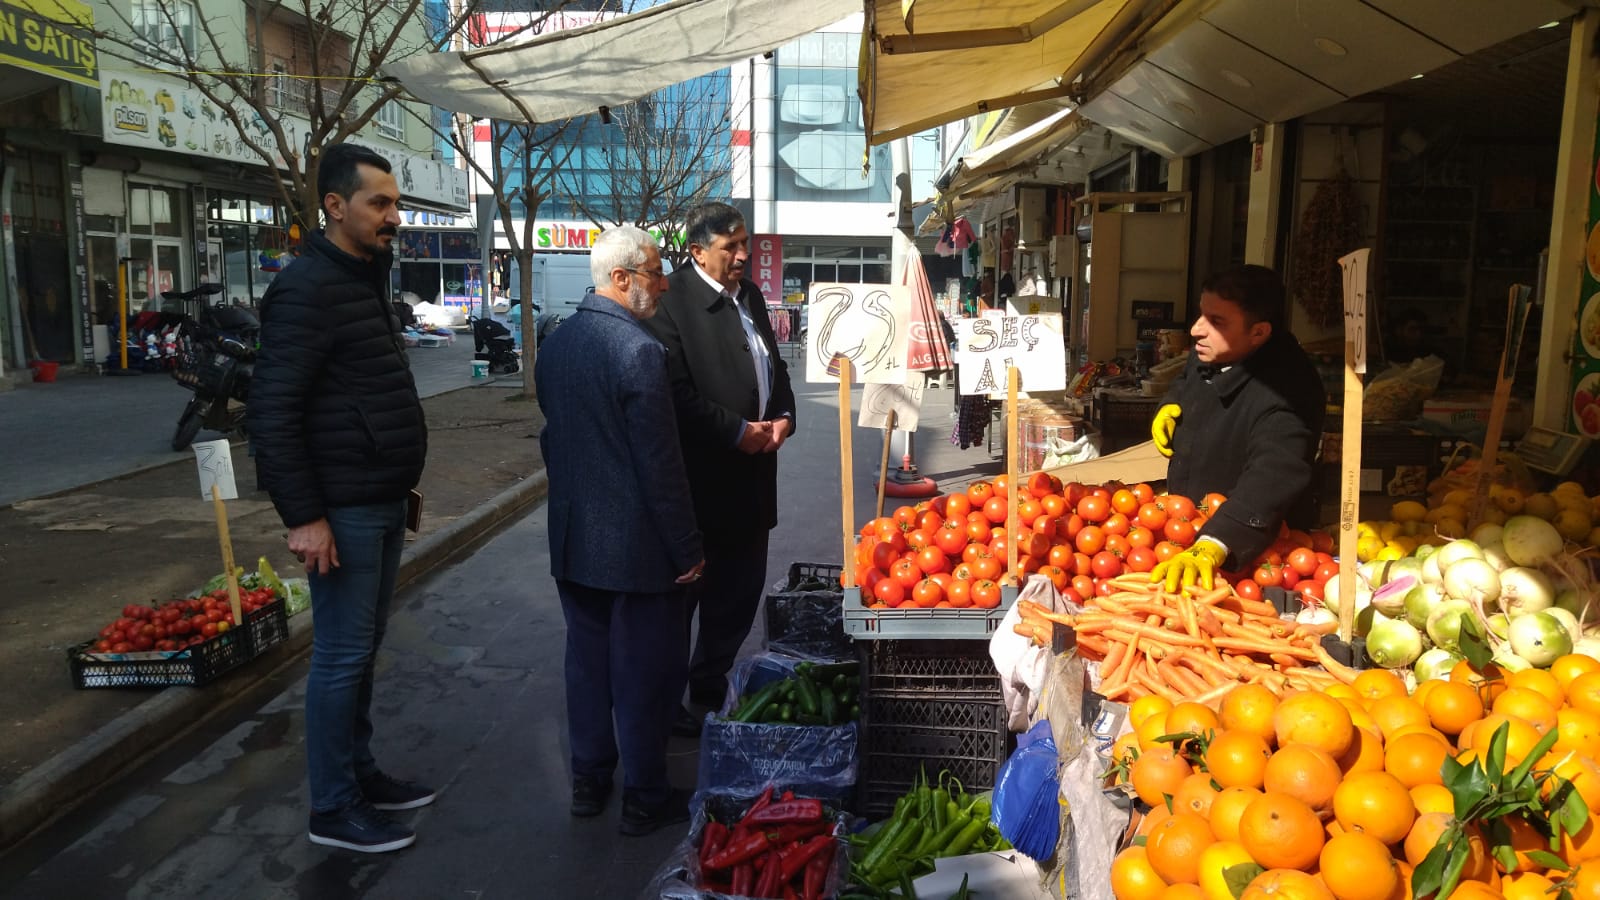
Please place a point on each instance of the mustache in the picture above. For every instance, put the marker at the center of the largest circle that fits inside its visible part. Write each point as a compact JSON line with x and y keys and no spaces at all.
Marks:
{"x":389,"y":230}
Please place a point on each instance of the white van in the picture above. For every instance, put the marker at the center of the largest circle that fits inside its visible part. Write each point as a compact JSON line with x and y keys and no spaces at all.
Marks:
{"x":559,"y":282}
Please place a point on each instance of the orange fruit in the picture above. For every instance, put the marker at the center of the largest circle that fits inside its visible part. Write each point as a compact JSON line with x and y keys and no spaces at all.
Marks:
{"x":1586,"y":883}
{"x":1375,"y":803}
{"x":1237,"y":759}
{"x":1528,"y":705}
{"x":1475,"y":890}
{"x":1147,"y":706}
{"x":1158,"y":773}
{"x":1464,"y":739}
{"x":1286,"y":884}
{"x":1133,"y":878}
{"x":1304,"y":772}
{"x":1582,"y":846}
{"x":1195,"y":795}
{"x":1344,"y":693}
{"x":1584,"y":774}
{"x":1541,"y":682}
{"x":1358,"y":866}
{"x":1182,"y":892}
{"x":1281,"y":832}
{"x":1125,"y":749}
{"x":1527,"y":886}
{"x":1415,"y":759}
{"x":1190,"y":717}
{"x":1521,"y":737}
{"x":1175,"y":845}
{"x":1215,"y":860}
{"x":1423,"y":689}
{"x":1567,"y":668}
{"x":1226,"y":810}
{"x":1430,"y":798}
{"x":1429,"y":829}
{"x":1488,"y":683}
{"x":1375,"y":684}
{"x":1583,"y":691}
{"x":1151,"y":819}
{"x":1249,"y":708}
{"x":1524,"y":837}
{"x":1315,"y":719}
{"x":1394,"y":713}
{"x":1578,"y":731}
{"x":1452,"y":706}
{"x":1365,"y":753}
{"x":1149,"y":730}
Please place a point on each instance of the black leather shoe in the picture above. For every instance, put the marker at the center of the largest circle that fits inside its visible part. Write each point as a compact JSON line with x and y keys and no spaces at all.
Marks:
{"x":589,"y":796}
{"x":639,"y":819}
{"x":686,"y":724}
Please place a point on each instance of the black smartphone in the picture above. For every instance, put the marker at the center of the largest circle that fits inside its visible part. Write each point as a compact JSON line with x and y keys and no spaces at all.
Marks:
{"x":414,"y":511}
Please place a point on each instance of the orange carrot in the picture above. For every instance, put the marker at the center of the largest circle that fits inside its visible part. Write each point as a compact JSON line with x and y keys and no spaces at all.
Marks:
{"x":1335,"y":668}
{"x":1284,"y":661}
{"x":1128,"y":631}
{"x":1254,"y":645}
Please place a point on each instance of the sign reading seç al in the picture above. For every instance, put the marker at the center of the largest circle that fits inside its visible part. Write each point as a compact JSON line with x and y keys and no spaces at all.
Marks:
{"x":51,"y":37}
{"x":163,"y":113}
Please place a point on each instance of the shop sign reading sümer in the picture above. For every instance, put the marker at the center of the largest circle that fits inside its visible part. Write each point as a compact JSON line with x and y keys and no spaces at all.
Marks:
{"x":162,"y":113}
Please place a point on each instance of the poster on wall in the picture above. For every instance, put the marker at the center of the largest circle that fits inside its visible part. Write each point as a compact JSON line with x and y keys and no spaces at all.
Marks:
{"x":1585,"y":409}
{"x":986,"y":347}
{"x":864,"y":323}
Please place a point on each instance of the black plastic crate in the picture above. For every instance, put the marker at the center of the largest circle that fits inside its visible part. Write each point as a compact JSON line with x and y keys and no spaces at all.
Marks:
{"x":905,"y":736}
{"x":1124,"y":421}
{"x":195,"y":665}
{"x":810,"y":622}
{"x":948,"y":669}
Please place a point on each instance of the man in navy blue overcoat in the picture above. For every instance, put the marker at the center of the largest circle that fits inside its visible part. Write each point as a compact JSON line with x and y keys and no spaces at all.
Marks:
{"x":623,"y":540}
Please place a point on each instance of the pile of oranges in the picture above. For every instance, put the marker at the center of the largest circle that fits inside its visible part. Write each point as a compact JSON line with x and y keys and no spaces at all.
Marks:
{"x":1339,"y":794}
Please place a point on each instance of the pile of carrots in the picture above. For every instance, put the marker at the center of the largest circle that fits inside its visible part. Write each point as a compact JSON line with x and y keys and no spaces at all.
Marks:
{"x":1194,"y":645}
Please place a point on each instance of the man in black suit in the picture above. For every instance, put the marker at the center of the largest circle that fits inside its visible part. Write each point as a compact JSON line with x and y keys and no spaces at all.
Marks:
{"x":735,"y":409}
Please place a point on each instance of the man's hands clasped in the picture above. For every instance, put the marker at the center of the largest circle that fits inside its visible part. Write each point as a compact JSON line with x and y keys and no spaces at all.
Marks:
{"x":765,"y":437}
{"x":1196,"y":565}
{"x":1162,"y":427}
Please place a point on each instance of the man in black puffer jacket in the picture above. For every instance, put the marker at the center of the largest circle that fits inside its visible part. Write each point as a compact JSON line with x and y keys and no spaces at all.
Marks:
{"x":340,"y":442}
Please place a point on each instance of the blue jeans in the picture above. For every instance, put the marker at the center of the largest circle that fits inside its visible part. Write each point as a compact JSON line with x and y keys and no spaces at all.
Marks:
{"x":349,"y":609}
{"x":627,"y":657}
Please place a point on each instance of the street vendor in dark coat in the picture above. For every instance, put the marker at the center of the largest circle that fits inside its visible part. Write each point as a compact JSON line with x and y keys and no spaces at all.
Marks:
{"x":1244,"y":420}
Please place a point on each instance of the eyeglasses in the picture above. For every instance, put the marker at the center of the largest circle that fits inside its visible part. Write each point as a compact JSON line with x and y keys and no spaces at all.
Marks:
{"x":652,"y":274}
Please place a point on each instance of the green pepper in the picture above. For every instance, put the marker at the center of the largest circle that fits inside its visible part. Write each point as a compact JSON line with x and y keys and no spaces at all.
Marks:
{"x":759,"y":701}
{"x":965,"y":839}
{"x":962,"y":893}
{"x":885,"y":838}
{"x":933,"y":843}
{"x":941,"y":799}
{"x":907,"y":889}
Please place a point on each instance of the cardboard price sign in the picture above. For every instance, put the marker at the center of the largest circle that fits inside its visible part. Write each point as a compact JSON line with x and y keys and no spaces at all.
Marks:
{"x":987,"y":347}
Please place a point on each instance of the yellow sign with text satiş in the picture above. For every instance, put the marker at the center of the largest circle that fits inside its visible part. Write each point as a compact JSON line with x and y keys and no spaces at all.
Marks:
{"x":51,"y":37}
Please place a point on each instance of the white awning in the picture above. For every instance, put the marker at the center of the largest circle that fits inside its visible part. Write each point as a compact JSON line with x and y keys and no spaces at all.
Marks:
{"x":564,"y":74}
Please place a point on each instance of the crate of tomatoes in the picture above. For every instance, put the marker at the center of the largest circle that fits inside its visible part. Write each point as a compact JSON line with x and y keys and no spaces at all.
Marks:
{"x":189,"y":641}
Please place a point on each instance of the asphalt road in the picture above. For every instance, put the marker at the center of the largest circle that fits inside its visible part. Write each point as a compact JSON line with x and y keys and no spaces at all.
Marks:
{"x":468,"y":698}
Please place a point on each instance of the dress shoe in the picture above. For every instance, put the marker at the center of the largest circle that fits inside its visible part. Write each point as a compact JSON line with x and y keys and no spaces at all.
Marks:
{"x":589,"y":796}
{"x":686,"y":724}
{"x":640,"y":819}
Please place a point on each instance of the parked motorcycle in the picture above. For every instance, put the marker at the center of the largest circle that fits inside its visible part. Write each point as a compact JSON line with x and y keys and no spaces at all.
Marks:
{"x":216,"y":357}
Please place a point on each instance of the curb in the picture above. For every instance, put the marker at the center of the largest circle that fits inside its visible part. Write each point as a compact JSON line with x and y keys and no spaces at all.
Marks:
{"x":57,"y":785}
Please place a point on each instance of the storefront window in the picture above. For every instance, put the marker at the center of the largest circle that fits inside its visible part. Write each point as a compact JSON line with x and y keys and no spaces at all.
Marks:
{"x":254,"y":247}
{"x":807,"y":263}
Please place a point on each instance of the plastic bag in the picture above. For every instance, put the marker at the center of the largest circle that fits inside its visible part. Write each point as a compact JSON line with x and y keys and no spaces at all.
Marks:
{"x":1025,"y":804}
{"x":679,"y":878}
{"x":744,"y":757}
{"x":1461,"y":473}
{"x":1398,"y":392}
{"x":805,"y":614}
{"x":298,"y":594}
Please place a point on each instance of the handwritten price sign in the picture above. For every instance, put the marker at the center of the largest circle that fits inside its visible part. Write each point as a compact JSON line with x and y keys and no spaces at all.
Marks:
{"x":1354,"y":266}
{"x":986,"y":347}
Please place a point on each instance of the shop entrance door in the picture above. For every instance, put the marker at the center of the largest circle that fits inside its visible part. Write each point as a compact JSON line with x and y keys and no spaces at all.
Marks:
{"x":161,"y":270}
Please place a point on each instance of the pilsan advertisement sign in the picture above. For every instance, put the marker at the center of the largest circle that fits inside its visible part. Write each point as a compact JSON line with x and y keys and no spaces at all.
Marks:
{"x":160,"y":113}
{"x":51,"y":37}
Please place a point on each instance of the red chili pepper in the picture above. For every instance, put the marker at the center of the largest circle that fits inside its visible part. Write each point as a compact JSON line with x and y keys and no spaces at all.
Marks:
{"x":786,"y":812}
{"x":712,"y":839}
{"x":787,"y":796}
{"x":741,"y":848}
{"x":817,"y":872}
{"x":761,"y":803}
{"x":789,"y":894}
{"x":769,"y":884}
{"x":783,"y":835}
{"x":744,"y":879}
{"x":798,"y":855}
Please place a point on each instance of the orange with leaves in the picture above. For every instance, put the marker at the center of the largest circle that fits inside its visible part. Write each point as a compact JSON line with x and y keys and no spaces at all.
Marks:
{"x":1237,"y":759}
{"x":1158,"y":773}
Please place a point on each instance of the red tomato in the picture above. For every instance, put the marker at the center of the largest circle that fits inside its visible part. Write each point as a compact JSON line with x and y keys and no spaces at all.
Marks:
{"x":1001,"y":548}
{"x":906,"y":572}
{"x":916,"y":540}
{"x":1140,"y":559}
{"x":1324,"y":572}
{"x":1290,"y":578}
{"x":972,"y":551}
{"x":1310,"y":592}
{"x":927,"y":593}
{"x":1166,"y":550}
{"x":978,"y":528}
{"x":1140,"y":536}
{"x":962,"y":572}
{"x":1094,"y":508}
{"x":1084,"y":585}
{"x":1116,"y":523}
{"x":1248,"y":589}
{"x":883,"y":555}
{"x":1179,"y":506}
{"x":978,"y":493}
{"x":1323,"y":558}
{"x":985,"y":594}
{"x":906,"y":517}
{"x":1080,"y":564}
{"x":1054,"y":504}
{"x":1075,"y":491}
{"x":1106,"y":565}
{"x":1117,"y":545}
{"x":1303,"y":561}
{"x":951,"y":537}
{"x":1047,"y":525}
{"x":1144,"y":492}
{"x":956,"y":506}
{"x":889,"y":591}
{"x":929,"y":521}
{"x":1043,"y":483}
{"x":1035,"y":544}
{"x":1060,"y":555}
{"x":1125,"y":502}
{"x":1322,"y":542}
{"x":1104,"y":587}
{"x":1210,"y":503}
{"x":986,"y":568}
{"x":959,"y":593}
{"x":1057,"y":575}
{"x":1180,"y":531}
{"x":1268,"y":576}
{"x":1090,"y":540}
{"x":932,"y":559}
{"x":995,"y":510}
{"x":1029,"y":509}
{"x":1002,"y":483}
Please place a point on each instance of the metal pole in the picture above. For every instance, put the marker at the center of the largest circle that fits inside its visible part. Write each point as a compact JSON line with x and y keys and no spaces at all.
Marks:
{"x":122,"y":311}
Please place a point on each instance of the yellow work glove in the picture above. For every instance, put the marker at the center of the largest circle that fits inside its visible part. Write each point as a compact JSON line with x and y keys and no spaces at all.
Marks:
{"x":1196,"y":565}
{"x":1161,"y":429}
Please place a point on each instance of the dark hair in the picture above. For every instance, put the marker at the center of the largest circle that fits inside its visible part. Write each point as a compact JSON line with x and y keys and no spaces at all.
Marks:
{"x":1257,"y":289}
{"x":704,"y":223}
{"x":337,"y":172}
